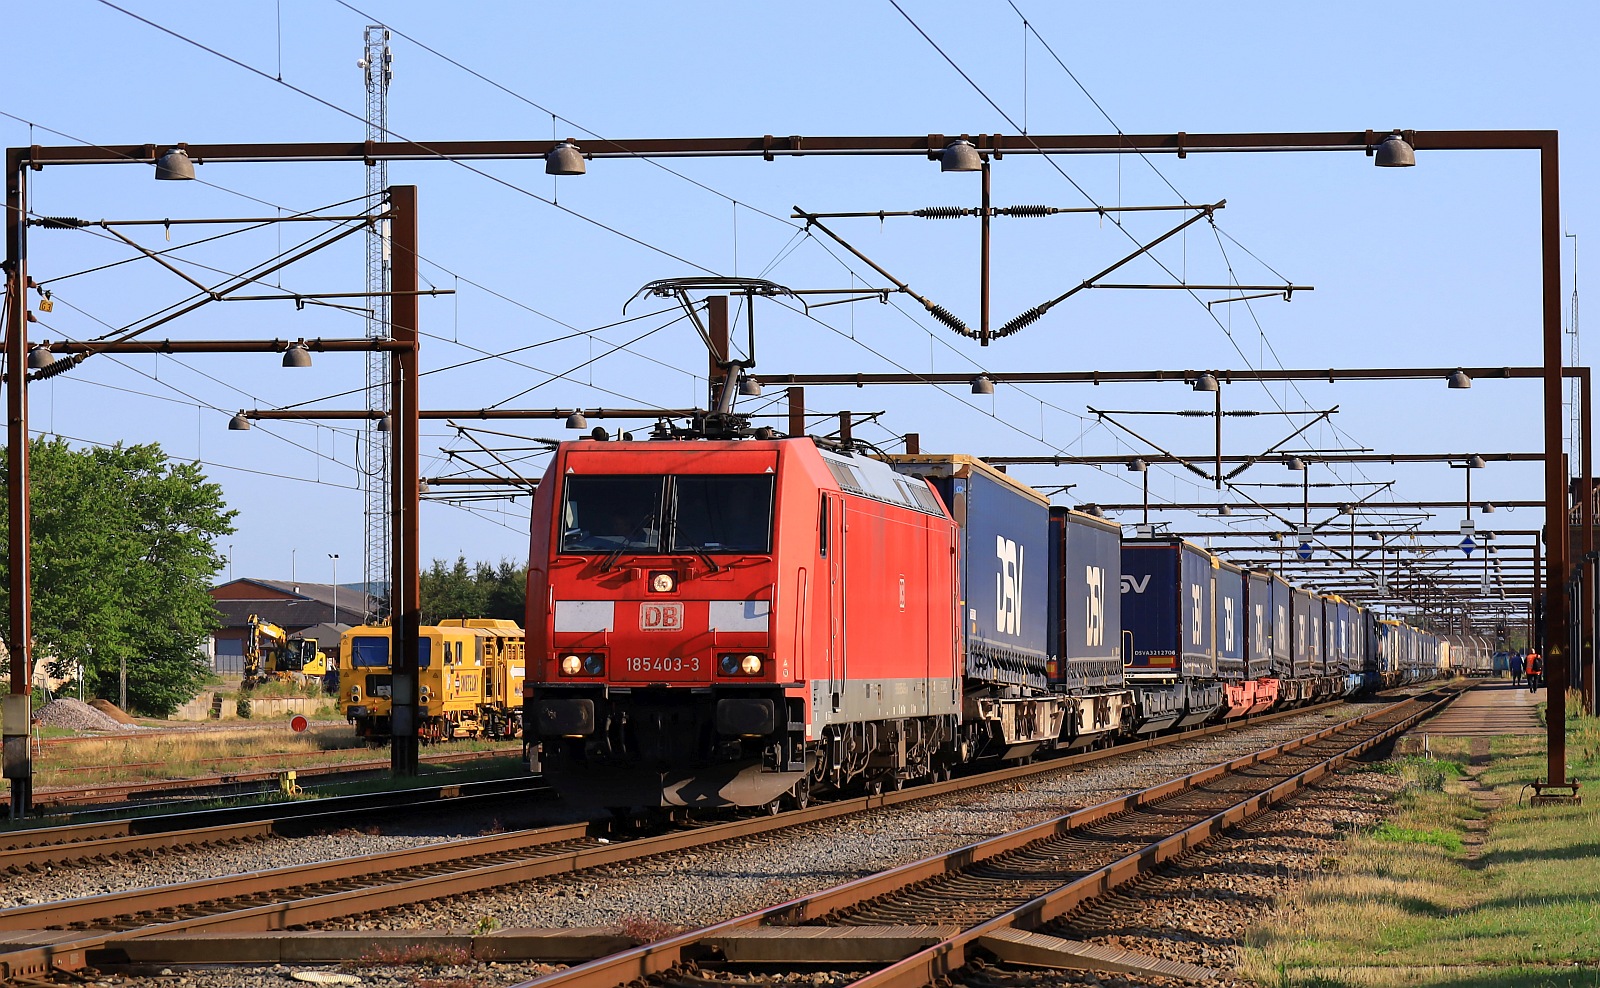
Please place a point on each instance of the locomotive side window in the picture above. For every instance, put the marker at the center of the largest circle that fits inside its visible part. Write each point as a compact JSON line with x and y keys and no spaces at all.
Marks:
{"x":722,"y":513}
{"x":608,"y":514}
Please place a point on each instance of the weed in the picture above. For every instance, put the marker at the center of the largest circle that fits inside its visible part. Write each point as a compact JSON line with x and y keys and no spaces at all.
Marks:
{"x":1575,"y":711}
{"x":486,"y":924}
{"x":1424,"y":771}
{"x":417,"y":955}
{"x":646,"y":929}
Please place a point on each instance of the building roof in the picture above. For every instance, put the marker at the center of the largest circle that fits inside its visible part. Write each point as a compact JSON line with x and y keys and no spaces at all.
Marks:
{"x":326,"y":635}
{"x":293,"y":606}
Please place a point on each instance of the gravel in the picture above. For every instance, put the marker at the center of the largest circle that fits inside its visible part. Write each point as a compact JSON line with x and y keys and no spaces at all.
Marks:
{"x":74,"y":881}
{"x":74,"y":715}
{"x":705,"y":886}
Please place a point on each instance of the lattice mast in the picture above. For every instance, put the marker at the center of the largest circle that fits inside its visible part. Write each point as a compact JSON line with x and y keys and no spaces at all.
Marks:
{"x":377,"y":63}
{"x":1575,"y":423}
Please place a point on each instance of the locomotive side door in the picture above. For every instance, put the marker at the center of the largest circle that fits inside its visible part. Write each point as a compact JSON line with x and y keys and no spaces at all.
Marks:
{"x":831,"y":534}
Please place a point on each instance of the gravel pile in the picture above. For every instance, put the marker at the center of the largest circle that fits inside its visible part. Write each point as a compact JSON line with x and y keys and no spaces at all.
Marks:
{"x":111,"y":710}
{"x":75,"y":715}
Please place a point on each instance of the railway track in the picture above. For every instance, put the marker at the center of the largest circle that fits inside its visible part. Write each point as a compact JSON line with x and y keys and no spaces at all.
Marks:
{"x":304,"y":896}
{"x":48,"y":847}
{"x":918,"y":923}
{"x":51,"y":847}
{"x":244,"y":782}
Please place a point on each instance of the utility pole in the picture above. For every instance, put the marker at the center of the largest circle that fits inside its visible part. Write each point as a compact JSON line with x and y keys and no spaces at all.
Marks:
{"x":378,"y":63}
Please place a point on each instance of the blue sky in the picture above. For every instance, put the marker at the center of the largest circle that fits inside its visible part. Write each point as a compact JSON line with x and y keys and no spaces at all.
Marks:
{"x":1436,"y":265}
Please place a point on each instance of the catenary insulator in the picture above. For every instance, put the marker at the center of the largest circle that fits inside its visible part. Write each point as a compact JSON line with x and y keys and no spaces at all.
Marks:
{"x":947,"y":317}
{"x":60,"y":222}
{"x":59,"y":367}
{"x":1022,"y":321}
{"x":1031,"y":211}
{"x":941,"y":212}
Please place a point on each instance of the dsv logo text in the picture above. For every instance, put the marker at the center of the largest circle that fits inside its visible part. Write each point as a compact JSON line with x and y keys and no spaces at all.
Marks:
{"x":1008,"y":586}
{"x":1094,"y":628}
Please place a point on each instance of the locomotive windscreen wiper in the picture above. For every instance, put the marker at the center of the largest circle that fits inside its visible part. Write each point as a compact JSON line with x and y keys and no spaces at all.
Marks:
{"x":640,"y":529}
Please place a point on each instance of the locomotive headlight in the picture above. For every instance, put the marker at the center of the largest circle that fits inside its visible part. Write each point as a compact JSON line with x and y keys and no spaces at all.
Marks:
{"x":594,"y":664}
{"x":571,"y":665}
{"x":663,"y":582}
{"x":739,"y":664}
{"x":355,"y":694}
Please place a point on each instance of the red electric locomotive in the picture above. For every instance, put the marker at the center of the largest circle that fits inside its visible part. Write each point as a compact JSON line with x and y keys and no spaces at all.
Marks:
{"x":733,"y":622}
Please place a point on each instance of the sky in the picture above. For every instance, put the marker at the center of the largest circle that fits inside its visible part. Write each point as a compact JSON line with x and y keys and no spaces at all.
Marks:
{"x":1437,"y":265}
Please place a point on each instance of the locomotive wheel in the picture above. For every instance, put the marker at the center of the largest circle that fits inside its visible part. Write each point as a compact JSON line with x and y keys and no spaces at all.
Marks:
{"x":773,"y":806}
{"x":800,"y":796}
{"x":896,"y":782}
{"x":875,"y":786}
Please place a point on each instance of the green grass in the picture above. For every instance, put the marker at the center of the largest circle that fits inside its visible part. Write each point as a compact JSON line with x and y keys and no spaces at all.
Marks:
{"x":1412,"y":904}
{"x":1447,"y":839}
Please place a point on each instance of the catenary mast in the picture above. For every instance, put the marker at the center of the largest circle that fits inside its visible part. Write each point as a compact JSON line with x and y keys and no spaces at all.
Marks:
{"x":378,"y":64}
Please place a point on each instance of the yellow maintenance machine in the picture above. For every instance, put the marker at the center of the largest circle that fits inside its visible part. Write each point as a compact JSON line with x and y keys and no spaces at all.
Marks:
{"x":505,"y":665}
{"x":270,"y":653}
{"x":469,"y":679}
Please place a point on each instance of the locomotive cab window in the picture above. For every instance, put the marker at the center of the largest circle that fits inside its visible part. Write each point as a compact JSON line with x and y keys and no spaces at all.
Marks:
{"x":722,"y":513}
{"x":371,"y":651}
{"x":610,"y":514}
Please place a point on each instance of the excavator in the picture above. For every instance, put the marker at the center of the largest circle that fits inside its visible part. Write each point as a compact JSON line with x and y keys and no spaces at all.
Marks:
{"x":269,"y":653}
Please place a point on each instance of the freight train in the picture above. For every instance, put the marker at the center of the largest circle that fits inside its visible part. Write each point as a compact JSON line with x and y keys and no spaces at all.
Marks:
{"x":470,"y":674}
{"x":746,"y":622}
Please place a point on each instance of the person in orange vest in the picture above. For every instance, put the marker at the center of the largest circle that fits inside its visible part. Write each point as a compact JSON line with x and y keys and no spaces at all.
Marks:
{"x":1535,"y":670}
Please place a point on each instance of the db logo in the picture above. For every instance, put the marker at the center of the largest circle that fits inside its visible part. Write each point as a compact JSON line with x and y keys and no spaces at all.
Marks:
{"x":660,"y":617}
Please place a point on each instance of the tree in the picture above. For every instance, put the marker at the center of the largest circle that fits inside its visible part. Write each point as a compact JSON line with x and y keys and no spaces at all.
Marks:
{"x":450,"y":593}
{"x":507,"y":591}
{"x":481,"y":591}
{"x":123,"y":553}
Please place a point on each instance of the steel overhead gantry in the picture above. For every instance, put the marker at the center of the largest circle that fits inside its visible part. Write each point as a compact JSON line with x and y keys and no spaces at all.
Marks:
{"x":19,"y":161}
